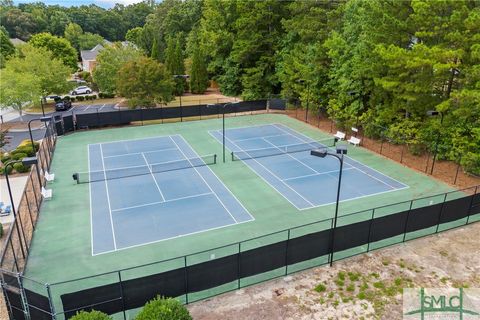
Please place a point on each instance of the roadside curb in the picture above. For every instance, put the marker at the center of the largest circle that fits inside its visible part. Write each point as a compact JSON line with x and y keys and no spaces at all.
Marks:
{"x":26,"y":130}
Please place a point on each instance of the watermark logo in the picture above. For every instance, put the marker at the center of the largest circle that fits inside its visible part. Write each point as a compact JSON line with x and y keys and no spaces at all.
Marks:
{"x":441,"y":304}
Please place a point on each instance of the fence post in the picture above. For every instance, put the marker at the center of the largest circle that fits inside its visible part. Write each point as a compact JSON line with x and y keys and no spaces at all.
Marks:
{"x":238,"y":264}
{"x":406,"y":222}
{"x":23,"y":297}
{"x":428,"y":158}
{"x":370,"y":229}
{"x":286,"y":252}
{"x":470,"y":206}
{"x":458,"y":169}
{"x":186,"y":278}
{"x":50,"y":301}
{"x":121,"y":293}
{"x":441,"y":211}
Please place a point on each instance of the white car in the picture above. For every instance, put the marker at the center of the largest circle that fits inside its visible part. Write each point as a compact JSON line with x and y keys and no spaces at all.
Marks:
{"x":81,"y":90}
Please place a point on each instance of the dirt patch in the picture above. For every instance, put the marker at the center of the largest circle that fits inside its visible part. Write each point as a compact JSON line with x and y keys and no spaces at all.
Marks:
{"x":368,"y":286}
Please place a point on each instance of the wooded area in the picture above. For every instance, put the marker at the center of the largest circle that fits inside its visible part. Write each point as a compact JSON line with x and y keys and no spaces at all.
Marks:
{"x":379,"y":64}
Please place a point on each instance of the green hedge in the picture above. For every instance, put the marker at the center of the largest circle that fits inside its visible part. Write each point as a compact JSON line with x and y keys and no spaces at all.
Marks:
{"x":164,"y":309}
{"x":19,"y":156}
{"x":80,"y":98}
{"x":92,"y":315}
{"x":20,"y":168}
{"x":2,"y":170}
{"x":1,"y":230}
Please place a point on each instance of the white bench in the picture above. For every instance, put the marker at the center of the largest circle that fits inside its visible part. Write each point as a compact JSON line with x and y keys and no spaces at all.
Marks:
{"x":49,"y":176}
{"x":46,"y":193}
{"x":340,"y":135}
{"x":355,"y":141}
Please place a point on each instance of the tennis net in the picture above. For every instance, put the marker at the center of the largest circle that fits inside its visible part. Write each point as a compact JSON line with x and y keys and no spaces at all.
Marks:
{"x":285,"y":149}
{"x":93,"y":176}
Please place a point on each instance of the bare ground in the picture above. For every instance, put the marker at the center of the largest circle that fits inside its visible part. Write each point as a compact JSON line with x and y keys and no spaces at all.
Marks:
{"x":368,"y":286}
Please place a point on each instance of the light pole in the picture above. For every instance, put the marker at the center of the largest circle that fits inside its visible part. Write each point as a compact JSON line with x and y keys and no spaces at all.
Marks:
{"x":27,"y":162}
{"x":181,"y":76}
{"x":42,"y":119}
{"x":434,"y":113}
{"x":224,"y":106}
{"x":322,"y":153}
{"x":41,"y":104}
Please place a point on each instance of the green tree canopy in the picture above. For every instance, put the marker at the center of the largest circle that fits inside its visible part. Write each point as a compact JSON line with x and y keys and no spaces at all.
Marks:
{"x":145,"y":82}
{"x":198,"y":68}
{"x":60,"y":47}
{"x":109,"y":61}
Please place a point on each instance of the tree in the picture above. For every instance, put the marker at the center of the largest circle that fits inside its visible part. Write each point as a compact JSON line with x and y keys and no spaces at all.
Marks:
{"x":134,"y":36}
{"x":18,"y":89}
{"x":155,"y":50}
{"x":72,"y":33}
{"x":60,"y":47}
{"x":19,"y":24}
{"x":58,"y":21}
{"x":109,"y":61}
{"x":198,"y":68}
{"x":6,"y":48}
{"x":145,"y":82}
{"x":50,"y":73}
{"x":175,"y":64}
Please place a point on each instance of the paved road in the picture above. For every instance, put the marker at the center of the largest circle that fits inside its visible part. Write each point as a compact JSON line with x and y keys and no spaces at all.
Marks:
{"x":18,"y":137}
{"x":87,"y":108}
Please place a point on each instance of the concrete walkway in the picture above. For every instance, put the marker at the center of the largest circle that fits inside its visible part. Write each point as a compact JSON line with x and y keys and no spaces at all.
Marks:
{"x":18,"y":185}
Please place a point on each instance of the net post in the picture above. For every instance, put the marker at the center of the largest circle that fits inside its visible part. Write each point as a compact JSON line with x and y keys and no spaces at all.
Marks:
{"x":215,"y":158}
{"x":233,"y":159}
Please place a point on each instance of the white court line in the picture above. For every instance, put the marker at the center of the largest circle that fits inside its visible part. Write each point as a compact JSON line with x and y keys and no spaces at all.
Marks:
{"x":171,"y":238}
{"x":317,"y":174}
{"x":138,"y":139}
{"x":263,"y":137}
{"x":211,"y":132}
{"x":273,"y":175}
{"x":383,"y":182}
{"x":108,"y":199}
{"x":159,"y":202}
{"x":288,"y":154}
{"x":406,"y":186}
{"x":205,"y":181}
{"x":226,"y":188}
{"x":155,"y":180}
{"x":101,"y":107}
{"x":131,"y":153}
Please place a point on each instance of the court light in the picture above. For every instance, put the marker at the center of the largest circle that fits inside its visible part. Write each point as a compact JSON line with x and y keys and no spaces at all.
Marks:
{"x":322,"y":153}
{"x":29,"y":161}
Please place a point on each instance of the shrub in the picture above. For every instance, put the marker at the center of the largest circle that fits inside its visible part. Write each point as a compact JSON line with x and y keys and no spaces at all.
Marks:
{"x":25,"y":149}
{"x":19,"y":156}
{"x":72,"y":99}
{"x":92,"y":315}
{"x":80,"y":98}
{"x":164,"y":309}
{"x":100,"y":95}
{"x":20,"y":168}
{"x":1,"y":230}
{"x":28,"y":143}
{"x":9,"y":170}
{"x":5,"y":157}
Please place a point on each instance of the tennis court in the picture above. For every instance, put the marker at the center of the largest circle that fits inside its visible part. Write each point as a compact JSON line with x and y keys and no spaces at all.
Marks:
{"x":147,"y":190}
{"x":281,"y":157}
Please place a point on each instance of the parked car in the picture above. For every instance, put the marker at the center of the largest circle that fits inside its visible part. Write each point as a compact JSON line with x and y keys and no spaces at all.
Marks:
{"x":81,"y":90}
{"x":63,"y":105}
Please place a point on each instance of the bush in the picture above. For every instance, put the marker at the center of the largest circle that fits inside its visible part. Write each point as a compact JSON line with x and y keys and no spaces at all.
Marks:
{"x":20,"y":168}
{"x":72,"y":99}
{"x":164,"y":309}
{"x":1,"y":230}
{"x":100,"y":95}
{"x":25,"y":149}
{"x":5,"y":157}
{"x":28,"y":143}
{"x":92,"y":315}
{"x":80,"y":98}
{"x":19,"y":156}
{"x":9,"y":170}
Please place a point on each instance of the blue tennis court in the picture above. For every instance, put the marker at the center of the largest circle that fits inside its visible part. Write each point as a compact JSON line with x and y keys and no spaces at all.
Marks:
{"x":153,"y":189}
{"x":281,"y":157}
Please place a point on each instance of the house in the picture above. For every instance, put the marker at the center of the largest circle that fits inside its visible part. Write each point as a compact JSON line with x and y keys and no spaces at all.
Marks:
{"x":89,"y":57}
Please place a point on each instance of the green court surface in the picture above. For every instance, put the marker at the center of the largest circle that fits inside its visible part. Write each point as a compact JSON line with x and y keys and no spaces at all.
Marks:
{"x":61,"y":248}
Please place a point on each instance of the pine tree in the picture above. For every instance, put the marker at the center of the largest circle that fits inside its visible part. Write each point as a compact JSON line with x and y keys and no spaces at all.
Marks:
{"x":199,"y":74}
{"x":155,"y":50}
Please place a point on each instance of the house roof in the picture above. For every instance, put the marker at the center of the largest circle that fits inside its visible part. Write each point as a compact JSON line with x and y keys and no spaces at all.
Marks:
{"x":17,"y":42}
{"x":92,"y":53}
